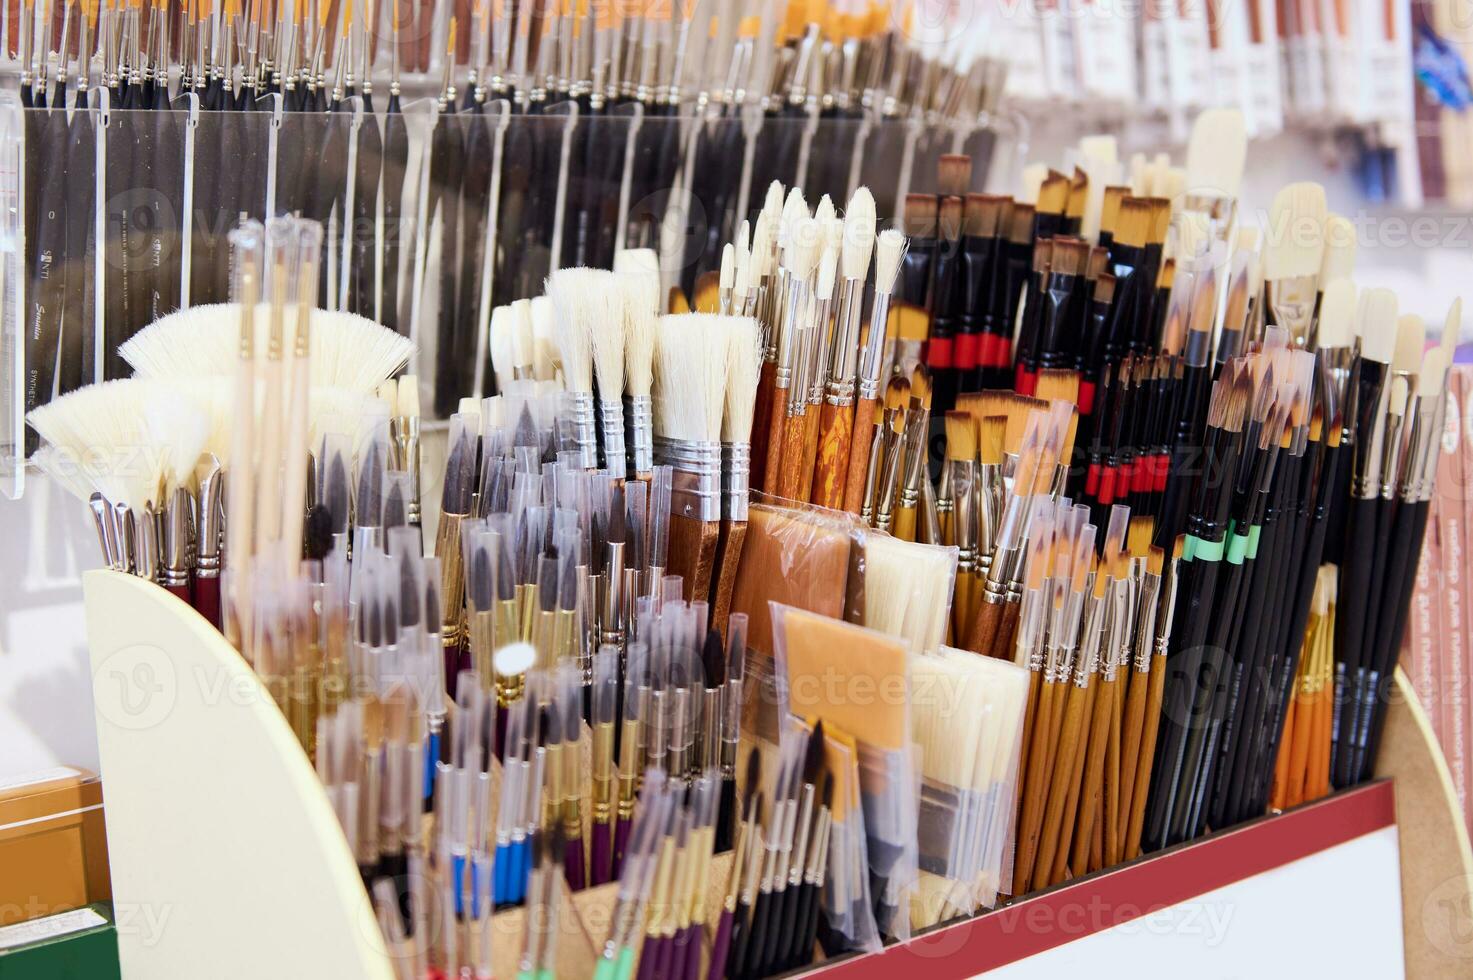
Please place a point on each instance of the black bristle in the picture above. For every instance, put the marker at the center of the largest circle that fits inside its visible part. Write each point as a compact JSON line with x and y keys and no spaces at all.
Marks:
{"x":753,"y":778}
{"x":549,"y":732}
{"x":813,"y":759}
{"x":828,"y":790}
{"x":482,"y":581}
{"x":713,"y":659}
{"x":318,"y":532}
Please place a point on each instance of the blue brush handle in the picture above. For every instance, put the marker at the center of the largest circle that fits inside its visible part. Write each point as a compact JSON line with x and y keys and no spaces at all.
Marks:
{"x":457,"y":871}
{"x":432,"y":756}
{"x":501,"y":875}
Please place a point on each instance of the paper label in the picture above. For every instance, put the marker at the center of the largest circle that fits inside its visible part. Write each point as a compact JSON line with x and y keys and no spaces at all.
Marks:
{"x":26,"y":933}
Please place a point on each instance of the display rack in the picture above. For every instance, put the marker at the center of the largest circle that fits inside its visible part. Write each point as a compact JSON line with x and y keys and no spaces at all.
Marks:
{"x":216,"y":819}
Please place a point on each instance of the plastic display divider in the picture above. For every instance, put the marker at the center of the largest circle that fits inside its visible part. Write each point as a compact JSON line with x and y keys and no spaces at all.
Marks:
{"x":634,"y":111}
{"x":568,"y":113}
{"x":12,"y":297}
{"x":496,"y":115}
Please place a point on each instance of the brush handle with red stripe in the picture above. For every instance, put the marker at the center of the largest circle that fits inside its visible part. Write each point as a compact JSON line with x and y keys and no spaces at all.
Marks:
{"x":181,"y":592}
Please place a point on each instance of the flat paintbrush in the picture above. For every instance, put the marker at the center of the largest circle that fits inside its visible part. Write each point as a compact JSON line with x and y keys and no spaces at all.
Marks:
{"x":743,"y":369}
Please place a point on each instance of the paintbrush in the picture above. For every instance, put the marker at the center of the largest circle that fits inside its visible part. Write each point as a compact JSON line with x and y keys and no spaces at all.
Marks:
{"x":797,"y":337}
{"x":743,"y":369}
{"x":889,"y":249}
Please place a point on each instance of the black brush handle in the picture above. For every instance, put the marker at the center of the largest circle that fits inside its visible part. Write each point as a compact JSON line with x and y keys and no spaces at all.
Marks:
{"x":46,"y":285}
{"x":516,"y":177}
{"x":1359,"y":552}
{"x":121,"y":254}
{"x":207,"y":223}
{"x":446,"y":168}
{"x":749,"y":949}
{"x":1387,"y":517}
{"x":726,"y":816}
{"x":578,"y":219}
{"x":77,"y":350}
{"x":368,"y":171}
{"x":329,"y":187}
{"x":169,"y":165}
{"x":775,"y":935}
{"x":475,"y":194}
{"x":396,"y":163}
{"x":1411,"y":527}
{"x":606,"y":146}
{"x":143,"y":225}
{"x":741,"y":928}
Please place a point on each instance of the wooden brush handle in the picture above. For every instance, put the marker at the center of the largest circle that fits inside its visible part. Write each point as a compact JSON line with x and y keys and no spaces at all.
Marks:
{"x":729,"y":559}
{"x":1075,"y":787}
{"x":777,"y":421}
{"x":1111,"y":840}
{"x":1035,"y":782}
{"x":858,"y":468}
{"x":905,"y":524}
{"x":1154,"y":695}
{"x":790,"y":482}
{"x":811,"y":421}
{"x":1061,"y":784}
{"x":693,"y":554}
{"x":761,"y":423}
{"x":1093,"y":791}
{"x":1135,"y":716}
{"x":985,"y":626}
{"x":1007,"y":631}
{"x":836,"y":428}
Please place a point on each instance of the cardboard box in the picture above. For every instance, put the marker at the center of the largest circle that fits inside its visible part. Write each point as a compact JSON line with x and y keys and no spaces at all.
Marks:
{"x":53,"y":844}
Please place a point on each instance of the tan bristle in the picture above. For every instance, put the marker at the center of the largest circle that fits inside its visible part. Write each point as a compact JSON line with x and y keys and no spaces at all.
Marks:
{"x":1070,"y":256}
{"x":1078,"y":194}
{"x":1066,"y":452}
{"x":1134,"y":224}
{"x":1053,"y":196}
{"x":954,"y":174}
{"x":1160,"y":218}
{"x":920,"y":216}
{"x":1110,"y":211}
{"x":950,"y":218}
{"x":1296,"y":232}
{"x":1105,"y":289}
{"x":1411,"y":337}
{"x":1099,"y":261}
{"x":897,"y":393}
{"x":1155,"y":560}
{"x":1020,"y":224}
{"x":982,"y":214}
{"x":1058,"y":384}
{"x":1043,"y":251}
{"x":920,"y":385}
{"x":1138,"y":538}
{"x":990,"y":439}
{"x":1167,"y":276}
{"x":961,"y":436}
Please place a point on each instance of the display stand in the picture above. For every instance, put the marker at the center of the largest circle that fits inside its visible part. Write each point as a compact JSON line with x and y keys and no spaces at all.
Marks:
{"x":217,"y":821}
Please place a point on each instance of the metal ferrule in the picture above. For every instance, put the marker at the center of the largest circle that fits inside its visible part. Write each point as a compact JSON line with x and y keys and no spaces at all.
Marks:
{"x":611,"y":414}
{"x":102,"y":517}
{"x":207,"y":536}
{"x":889,"y":485}
{"x":945,"y":487}
{"x":639,"y":415}
{"x":1030,"y":645}
{"x":964,"y":524}
{"x":915,"y":455}
{"x":709,"y":754}
{"x":146,"y":554}
{"x":816,"y":366}
{"x":609,"y":593}
{"x":872,"y":477}
{"x":1166,"y":607}
{"x":603,"y":773}
{"x":696,"y":482}
{"x":627,"y":596}
{"x":989,"y":494}
{"x":1145,"y":621}
{"x":736,"y":479}
{"x":178,"y":537}
{"x":578,"y":410}
{"x":1393,"y":447}
{"x":408,"y":441}
{"x":1423,"y":427}
{"x":797,"y":295}
{"x":1292,"y":301}
{"x":127,"y":537}
{"x":800,"y":845}
{"x":872,"y":357}
{"x":843,"y":359}
{"x":724,"y":299}
{"x":1371,"y":449}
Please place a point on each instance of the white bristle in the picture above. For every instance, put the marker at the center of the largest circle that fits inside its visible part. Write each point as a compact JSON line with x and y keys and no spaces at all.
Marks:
{"x":741,"y":282}
{"x":1172,"y":184}
{"x":388,"y":393}
{"x":1033,"y":177}
{"x":546,"y":358}
{"x":1451,"y":329}
{"x":763,"y":247}
{"x":833,"y":236}
{"x":1411,"y":339}
{"x":1375,"y":323}
{"x":950,"y":740}
{"x":889,"y":249}
{"x":1397,"y":403}
{"x":468,"y":405}
{"x":772,"y":202}
{"x":859,"y":234}
{"x":216,"y":402}
{"x":1216,"y":152}
{"x":1434,"y":370}
{"x":1105,"y":149}
{"x":824,"y":212}
{"x":348,"y":351}
{"x":1337,"y":314}
{"x":906,"y":590}
{"x":503,"y":343}
{"x":795,"y":210}
{"x":408,"y":396}
{"x":579,"y":297}
{"x":1340,"y":245}
{"x":179,"y":429}
{"x":639,"y":320}
{"x":743,"y":370}
{"x":828,"y":265}
{"x":642,"y":264}
{"x":337,"y":410}
{"x":606,"y":332}
{"x":524,"y":343}
{"x":1296,"y":232}
{"x":801,"y":254}
{"x":493,"y":413}
{"x":690,"y":384}
{"x":1194,"y":235}
{"x":728,"y":266}
{"x":1138,"y":175}
{"x":743,"y":240}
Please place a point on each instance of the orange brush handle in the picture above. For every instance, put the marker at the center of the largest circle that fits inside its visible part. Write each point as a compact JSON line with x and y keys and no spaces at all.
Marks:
{"x":772,"y":470}
{"x":1007,"y":631}
{"x":905,"y":523}
{"x":985,"y":626}
{"x":1154,"y":695}
{"x":836,"y":430}
{"x":790,"y":482}
{"x":811,"y":421}
{"x":858,"y":468}
{"x":761,"y":422}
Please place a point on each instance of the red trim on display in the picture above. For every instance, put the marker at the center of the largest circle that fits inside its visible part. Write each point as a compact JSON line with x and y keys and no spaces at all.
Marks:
{"x":1103,"y":901}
